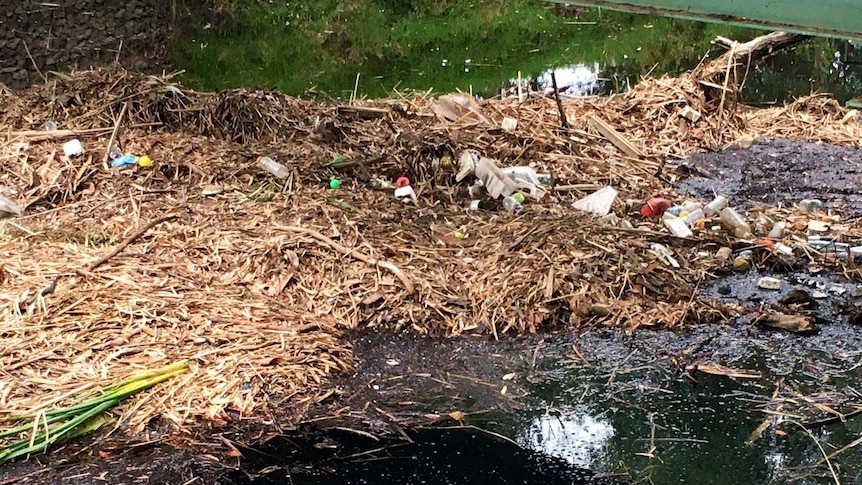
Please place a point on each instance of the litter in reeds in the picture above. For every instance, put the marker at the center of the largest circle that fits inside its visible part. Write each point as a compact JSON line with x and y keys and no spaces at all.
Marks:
{"x":253,"y":282}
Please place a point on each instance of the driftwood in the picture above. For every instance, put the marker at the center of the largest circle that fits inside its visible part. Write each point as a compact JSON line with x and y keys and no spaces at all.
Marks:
{"x":746,"y":52}
{"x":720,"y":75}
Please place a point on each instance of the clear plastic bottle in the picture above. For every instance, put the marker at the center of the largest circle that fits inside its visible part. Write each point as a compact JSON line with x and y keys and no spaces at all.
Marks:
{"x":716,"y":206}
{"x":735,"y":223}
{"x":273,"y":167}
{"x":512,"y":205}
{"x":694,"y":217}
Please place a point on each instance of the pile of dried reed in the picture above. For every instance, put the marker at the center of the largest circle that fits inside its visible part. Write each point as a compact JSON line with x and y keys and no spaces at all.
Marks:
{"x":251,"y":279}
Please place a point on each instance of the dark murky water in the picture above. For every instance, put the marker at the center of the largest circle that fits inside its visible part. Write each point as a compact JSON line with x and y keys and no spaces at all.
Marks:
{"x":621,"y":409}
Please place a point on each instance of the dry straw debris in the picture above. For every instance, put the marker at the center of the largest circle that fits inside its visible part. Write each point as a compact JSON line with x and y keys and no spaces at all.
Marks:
{"x":252,"y":279}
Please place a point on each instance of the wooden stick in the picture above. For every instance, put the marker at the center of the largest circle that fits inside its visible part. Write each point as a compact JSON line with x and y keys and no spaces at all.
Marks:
{"x":353,"y":253}
{"x":563,"y":121}
{"x":39,"y":135}
{"x":614,"y":137}
{"x":44,"y":78}
{"x":129,"y":240}
{"x":114,"y":136}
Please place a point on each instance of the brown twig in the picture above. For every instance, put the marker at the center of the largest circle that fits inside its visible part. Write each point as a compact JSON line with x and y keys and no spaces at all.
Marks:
{"x":114,"y":135}
{"x":104,"y":259}
{"x":36,"y":66}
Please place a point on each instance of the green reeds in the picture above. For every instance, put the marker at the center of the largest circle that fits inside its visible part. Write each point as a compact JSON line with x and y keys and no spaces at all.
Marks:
{"x":60,"y":424}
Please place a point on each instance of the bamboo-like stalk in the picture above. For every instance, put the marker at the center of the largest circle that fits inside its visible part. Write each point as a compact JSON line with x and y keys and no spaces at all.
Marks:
{"x":72,"y":417}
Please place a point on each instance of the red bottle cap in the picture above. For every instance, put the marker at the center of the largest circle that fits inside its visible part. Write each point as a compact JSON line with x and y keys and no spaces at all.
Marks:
{"x":402,"y":182}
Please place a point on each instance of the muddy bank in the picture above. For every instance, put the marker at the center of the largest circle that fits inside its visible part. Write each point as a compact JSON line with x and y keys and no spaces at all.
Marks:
{"x":779,"y":172}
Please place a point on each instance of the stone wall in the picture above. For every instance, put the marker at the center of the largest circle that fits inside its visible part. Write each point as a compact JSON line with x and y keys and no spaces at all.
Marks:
{"x":77,"y":34}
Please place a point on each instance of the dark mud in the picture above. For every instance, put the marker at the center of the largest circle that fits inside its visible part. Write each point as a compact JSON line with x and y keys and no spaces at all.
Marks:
{"x":775,"y":172}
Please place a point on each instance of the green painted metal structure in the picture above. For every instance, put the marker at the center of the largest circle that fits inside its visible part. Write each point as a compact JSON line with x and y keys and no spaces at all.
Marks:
{"x":832,"y":18}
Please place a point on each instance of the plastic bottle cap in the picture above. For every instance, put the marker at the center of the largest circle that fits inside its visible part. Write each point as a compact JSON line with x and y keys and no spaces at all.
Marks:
{"x":334,"y":184}
{"x":145,"y":161}
{"x":402,"y":182}
{"x":519,"y":197}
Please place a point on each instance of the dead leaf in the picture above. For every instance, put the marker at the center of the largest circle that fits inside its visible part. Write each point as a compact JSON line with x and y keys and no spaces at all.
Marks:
{"x":456,"y":415}
{"x":268,"y":361}
{"x":285,"y":279}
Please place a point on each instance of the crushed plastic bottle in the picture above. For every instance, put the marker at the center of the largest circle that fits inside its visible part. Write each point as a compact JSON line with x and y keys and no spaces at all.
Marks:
{"x":124,"y":161}
{"x":273,"y":167}
{"x":693,"y":217}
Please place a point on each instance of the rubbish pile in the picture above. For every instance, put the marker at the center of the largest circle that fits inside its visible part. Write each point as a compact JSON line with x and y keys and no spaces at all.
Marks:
{"x":247,"y":229}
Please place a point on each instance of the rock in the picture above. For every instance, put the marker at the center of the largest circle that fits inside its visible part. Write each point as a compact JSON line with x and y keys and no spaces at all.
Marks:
{"x":797,"y":296}
{"x":724,"y":290}
{"x":783,"y":321}
{"x":723,"y":254}
{"x":769,"y":283}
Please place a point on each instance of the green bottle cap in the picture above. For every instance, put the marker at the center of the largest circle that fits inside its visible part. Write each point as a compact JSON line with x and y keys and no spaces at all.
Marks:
{"x":334,"y":184}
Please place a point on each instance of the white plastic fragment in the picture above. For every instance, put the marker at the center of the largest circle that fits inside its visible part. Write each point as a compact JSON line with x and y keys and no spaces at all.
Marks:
{"x":690,"y":114}
{"x":509,"y":124}
{"x":466,"y":165}
{"x":782,"y":248}
{"x":598,"y":203}
{"x":496,"y":182}
{"x":664,"y":252}
{"x":404,"y":192}
{"x":8,"y":208}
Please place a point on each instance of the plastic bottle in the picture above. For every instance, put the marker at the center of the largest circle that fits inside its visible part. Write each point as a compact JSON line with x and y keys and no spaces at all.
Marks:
{"x":734,"y":223}
{"x":273,"y":167}
{"x":716,"y":206}
{"x":512,"y":205}
{"x":694,"y":217}
{"x":810,"y":205}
